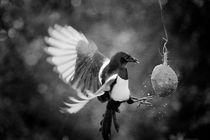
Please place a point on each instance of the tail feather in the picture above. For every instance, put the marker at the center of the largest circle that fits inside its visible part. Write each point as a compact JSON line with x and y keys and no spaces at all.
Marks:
{"x":106,"y":124}
{"x":116,"y":125}
{"x":109,"y":115}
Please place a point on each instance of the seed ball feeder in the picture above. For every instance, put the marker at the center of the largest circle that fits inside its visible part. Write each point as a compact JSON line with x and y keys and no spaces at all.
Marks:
{"x":164,"y":80}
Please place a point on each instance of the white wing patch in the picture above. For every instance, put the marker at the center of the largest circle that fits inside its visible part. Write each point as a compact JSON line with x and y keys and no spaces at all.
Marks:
{"x":102,"y":68}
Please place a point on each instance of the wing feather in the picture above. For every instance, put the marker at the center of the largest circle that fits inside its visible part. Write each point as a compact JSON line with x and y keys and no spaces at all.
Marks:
{"x":59,"y":60}
{"x":78,"y":62}
{"x":59,"y":52}
{"x":59,"y":36}
{"x":59,"y":44}
{"x":66,"y":33}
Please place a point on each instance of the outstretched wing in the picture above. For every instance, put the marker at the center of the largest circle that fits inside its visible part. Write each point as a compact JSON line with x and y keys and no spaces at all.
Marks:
{"x":77,"y":61}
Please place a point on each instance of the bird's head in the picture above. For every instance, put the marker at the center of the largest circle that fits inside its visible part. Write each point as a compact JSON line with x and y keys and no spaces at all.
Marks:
{"x":124,"y":58}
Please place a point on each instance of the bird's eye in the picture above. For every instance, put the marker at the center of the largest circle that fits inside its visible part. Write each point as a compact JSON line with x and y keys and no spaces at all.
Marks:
{"x":123,"y":60}
{"x":127,"y":58}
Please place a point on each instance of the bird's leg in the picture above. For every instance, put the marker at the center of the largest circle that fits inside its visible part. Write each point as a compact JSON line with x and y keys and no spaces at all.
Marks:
{"x":143,"y":100}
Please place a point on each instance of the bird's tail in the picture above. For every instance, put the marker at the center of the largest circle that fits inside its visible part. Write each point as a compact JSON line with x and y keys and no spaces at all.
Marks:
{"x":106,"y":124}
{"x":109,"y":115}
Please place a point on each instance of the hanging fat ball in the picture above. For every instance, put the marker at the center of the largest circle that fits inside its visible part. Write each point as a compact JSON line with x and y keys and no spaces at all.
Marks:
{"x":164,"y":79}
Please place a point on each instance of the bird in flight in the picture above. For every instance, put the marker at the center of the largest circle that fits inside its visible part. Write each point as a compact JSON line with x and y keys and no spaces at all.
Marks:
{"x":93,"y":75}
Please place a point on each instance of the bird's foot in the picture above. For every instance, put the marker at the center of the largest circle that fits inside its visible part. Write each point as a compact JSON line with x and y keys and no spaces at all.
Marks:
{"x":143,"y":100}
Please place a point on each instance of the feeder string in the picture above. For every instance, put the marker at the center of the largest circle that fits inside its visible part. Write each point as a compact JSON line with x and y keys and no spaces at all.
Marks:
{"x":165,"y":50}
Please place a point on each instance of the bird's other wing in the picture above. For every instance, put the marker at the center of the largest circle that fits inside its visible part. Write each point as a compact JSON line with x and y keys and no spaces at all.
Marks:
{"x":79,"y":104}
{"x":78,"y":62}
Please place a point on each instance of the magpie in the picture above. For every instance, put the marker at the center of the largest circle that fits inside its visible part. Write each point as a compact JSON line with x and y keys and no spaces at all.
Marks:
{"x":93,"y":75}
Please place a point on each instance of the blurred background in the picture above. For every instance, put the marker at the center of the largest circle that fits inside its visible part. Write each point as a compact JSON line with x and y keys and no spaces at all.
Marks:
{"x":31,"y":94}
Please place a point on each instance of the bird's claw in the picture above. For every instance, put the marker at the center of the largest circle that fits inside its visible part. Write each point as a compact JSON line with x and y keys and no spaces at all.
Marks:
{"x":143,"y":100}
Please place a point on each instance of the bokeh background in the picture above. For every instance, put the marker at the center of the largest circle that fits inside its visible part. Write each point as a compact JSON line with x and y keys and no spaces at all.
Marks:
{"x":31,"y":94}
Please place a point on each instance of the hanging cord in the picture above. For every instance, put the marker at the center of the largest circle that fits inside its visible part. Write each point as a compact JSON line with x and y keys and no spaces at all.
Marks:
{"x":165,"y":50}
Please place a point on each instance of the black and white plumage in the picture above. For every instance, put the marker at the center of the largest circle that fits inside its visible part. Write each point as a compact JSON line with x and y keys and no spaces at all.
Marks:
{"x":89,"y":72}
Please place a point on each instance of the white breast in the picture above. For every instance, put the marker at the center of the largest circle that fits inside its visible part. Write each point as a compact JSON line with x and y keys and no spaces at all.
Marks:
{"x":120,"y":91}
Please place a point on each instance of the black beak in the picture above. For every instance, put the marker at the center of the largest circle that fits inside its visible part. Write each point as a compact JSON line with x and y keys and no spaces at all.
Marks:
{"x":134,"y":60}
